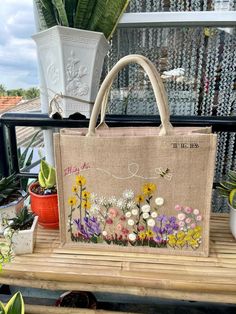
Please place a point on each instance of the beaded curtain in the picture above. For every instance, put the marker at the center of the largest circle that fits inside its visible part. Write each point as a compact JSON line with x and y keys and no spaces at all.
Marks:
{"x":198,"y":67}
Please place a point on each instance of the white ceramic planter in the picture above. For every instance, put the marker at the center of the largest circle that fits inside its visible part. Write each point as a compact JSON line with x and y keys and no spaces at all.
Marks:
{"x":232,"y":220}
{"x":71,"y":61}
{"x":23,"y":241}
{"x":9,"y":211}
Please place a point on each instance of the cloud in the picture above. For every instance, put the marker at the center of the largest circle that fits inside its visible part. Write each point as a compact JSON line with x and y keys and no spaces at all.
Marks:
{"x":18,"y":61}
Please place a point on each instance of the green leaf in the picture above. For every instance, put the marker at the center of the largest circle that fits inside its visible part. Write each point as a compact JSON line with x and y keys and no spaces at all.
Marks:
{"x":2,"y":308}
{"x":97,"y":15}
{"x":59,"y":6}
{"x":84,"y":12}
{"x":15,"y":305}
{"x":46,"y":13}
{"x":70,"y":7}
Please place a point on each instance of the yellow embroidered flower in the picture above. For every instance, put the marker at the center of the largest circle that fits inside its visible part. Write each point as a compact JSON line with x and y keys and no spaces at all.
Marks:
{"x":149,"y":188}
{"x":86,"y":204}
{"x":75,"y":189}
{"x":180,"y":243}
{"x":194,"y":243}
{"x":190,"y":232}
{"x":197,"y":229}
{"x":180,"y":235}
{"x":197,"y":235}
{"x":80,"y":180}
{"x":142,"y":235}
{"x":150,"y":233}
{"x":72,"y":201}
{"x":85,"y":194}
{"x":139,"y":198}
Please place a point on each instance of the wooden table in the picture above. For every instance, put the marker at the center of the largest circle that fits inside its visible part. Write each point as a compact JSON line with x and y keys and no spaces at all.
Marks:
{"x":174,"y":277}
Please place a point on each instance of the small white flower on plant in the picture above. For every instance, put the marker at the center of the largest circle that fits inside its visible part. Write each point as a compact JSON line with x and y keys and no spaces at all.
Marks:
{"x":145,"y":215}
{"x":181,"y":216}
{"x":128,"y":194}
{"x":112,"y":200}
{"x":151,"y":222}
{"x":94,"y":209}
{"x":93,"y":197}
{"x":128,"y":214}
{"x":102,"y":200}
{"x":121,"y":203}
{"x":146,"y":208}
{"x":132,"y":236}
{"x":104,"y":233}
{"x":130,"y":222}
{"x":131,"y":204}
{"x":196,"y":212}
{"x":159,"y":201}
{"x":134,"y":212}
{"x":154,"y":214}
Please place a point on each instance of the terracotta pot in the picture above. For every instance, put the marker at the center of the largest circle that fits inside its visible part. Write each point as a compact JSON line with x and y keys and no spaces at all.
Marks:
{"x":45,"y":207}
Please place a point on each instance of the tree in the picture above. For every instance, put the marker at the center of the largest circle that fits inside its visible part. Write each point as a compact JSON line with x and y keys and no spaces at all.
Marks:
{"x":3,"y":91}
{"x":31,"y":93}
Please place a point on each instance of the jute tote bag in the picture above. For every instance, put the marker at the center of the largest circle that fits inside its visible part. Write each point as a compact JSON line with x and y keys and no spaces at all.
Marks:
{"x":136,"y":189}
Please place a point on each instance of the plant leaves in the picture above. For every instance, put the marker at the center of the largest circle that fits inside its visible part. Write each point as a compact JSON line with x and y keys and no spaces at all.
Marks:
{"x":84,"y":12}
{"x":70,"y":7}
{"x":15,"y":305}
{"x":46,"y":13}
{"x":97,"y":15}
{"x":59,"y":6}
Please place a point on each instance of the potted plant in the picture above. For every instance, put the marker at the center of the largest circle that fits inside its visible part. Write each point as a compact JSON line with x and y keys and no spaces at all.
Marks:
{"x":71,"y":48}
{"x":21,"y":231}
{"x":43,"y":196}
{"x":11,"y":198}
{"x":14,"y":305}
{"x":227,"y":189}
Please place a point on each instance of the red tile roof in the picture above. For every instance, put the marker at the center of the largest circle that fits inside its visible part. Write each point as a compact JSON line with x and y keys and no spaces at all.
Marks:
{"x":9,"y":102}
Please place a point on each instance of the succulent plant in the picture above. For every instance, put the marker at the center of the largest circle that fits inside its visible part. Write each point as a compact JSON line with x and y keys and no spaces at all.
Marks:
{"x":47,"y":175}
{"x":23,"y":220}
{"x":227,"y":189}
{"x":9,"y":187}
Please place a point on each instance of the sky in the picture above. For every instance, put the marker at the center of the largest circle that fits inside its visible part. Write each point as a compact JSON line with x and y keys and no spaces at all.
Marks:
{"x":18,"y":60}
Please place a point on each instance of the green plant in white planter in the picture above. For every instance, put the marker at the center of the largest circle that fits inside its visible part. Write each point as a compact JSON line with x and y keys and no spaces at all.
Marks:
{"x":227,"y":189}
{"x":71,"y":49}
{"x":14,"y":306}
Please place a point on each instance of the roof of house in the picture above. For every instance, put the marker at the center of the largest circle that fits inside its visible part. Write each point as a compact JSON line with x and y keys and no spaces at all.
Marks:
{"x":9,"y":102}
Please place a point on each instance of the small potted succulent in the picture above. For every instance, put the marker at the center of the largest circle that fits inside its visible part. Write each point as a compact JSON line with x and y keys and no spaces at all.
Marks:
{"x":21,"y":231}
{"x":43,"y":195}
{"x":14,"y":305}
{"x":11,"y":198}
{"x":227,"y":189}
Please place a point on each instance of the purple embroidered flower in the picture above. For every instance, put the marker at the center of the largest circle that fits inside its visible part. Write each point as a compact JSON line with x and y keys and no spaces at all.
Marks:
{"x":162,"y":218}
{"x":81,"y":229}
{"x":92,"y":226}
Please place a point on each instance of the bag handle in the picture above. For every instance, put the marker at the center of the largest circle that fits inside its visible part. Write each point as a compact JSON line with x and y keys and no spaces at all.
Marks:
{"x":158,"y":88}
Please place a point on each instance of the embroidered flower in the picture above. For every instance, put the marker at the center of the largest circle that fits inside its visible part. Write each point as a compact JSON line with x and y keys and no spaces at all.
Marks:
{"x":128,"y":194}
{"x":121,"y":203}
{"x":188,"y":210}
{"x":193,"y":225}
{"x":199,"y":218}
{"x":72,"y":201}
{"x":104,"y":233}
{"x":178,"y":207}
{"x":80,"y":180}
{"x":142,"y":235}
{"x":149,"y":188}
{"x":85,"y":194}
{"x":181,"y":223}
{"x":131,"y":204}
{"x":134,"y":212}
{"x":128,"y":214}
{"x":75,"y":188}
{"x":86,"y":204}
{"x":196,"y":212}
{"x":130,"y":222}
{"x":119,"y":227}
{"x":112,"y":200}
{"x":113,"y":212}
{"x":150,"y":233}
{"x":93,"y":197}
{"x":188,"y":220}
{"x":94,"y":209}
{"x":181,"y":216}
{"x":125,"y":231}
{"x":154,"y":215}
{"x":146,"y":208}
{"x":159,"y":201}
{"x":102,"y":201}
{"x":109,"y":221}
{"x":122,"y":218}
{"x":132,"y":236}
{"x":151,"y":222}
{"x":145,"y":215}
{"x":139,"y":198}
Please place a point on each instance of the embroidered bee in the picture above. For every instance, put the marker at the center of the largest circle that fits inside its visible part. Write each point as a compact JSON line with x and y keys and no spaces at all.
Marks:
{"x":165,"y":173}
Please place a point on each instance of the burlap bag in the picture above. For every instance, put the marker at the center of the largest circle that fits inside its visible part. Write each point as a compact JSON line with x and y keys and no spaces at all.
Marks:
{"x":142,"y":189}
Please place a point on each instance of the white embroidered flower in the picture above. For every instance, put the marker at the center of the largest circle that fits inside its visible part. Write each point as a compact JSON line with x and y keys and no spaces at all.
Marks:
{"x":104,"y":233}
{"x":112,"y":200}
{"x":132,"y":236}
{"x":146,"y":208}
{"x":131,"y":204}
{"x":102,"y":200}
{"x":94,"y":209}
{"x":159,"y":201}
{"x":130,"y":222}
{"x":128,"y":214}
{"x":93,"y":197}
{"x":134,"y":212}
{"x":121,"y":203}
{"x":128,"y":194}
{"x":145,"y":215}
{"x":154,"y":214}
{"x":151,"y":222}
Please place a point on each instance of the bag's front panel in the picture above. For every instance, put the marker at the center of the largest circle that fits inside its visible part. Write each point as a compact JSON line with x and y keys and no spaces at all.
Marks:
{"x":137,"y":193}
